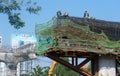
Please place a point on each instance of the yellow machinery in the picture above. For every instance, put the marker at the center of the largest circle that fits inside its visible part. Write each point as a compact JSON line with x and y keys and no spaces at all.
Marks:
{"x":50,"y":73}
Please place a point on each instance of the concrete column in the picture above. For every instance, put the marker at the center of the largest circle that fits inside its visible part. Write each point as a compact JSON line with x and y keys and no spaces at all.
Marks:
{"x":11,"y":69}
{"x":107,"y":66}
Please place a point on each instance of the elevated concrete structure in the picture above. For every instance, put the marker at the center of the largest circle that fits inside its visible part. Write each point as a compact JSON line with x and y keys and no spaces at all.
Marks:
{"x":0,"y":41}
{"x":95,"y":40}
{"x":107,"y":66}
{"x":11,"y":59}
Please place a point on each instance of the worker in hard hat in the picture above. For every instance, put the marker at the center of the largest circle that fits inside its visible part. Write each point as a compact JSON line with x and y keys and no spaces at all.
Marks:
{"x":86,"y":14}
{"x":58,"y":16}
{"x":66,"y":14}
{"x":59,"y":13}
{"x":92,"y":18}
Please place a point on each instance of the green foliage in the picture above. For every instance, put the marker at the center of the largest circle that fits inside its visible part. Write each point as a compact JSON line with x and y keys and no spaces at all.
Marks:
{"x":15,"y":21}
{"x":88,"y":69}
{"x":44,"y":34}
{"x":13,"y":8}
{"x":39,"y":71}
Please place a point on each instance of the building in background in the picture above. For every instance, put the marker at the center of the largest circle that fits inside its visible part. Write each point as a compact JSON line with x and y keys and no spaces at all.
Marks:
{"x":2,"y":69}
{"x":18,"y":40}
{"x":2,"y":65}
{"x":0,"y":41}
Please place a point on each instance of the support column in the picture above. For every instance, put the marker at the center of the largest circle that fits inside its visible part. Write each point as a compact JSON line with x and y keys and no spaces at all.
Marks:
{"x":94,"y":66}
{"x":76,"y":61}
{"x":107,"y":66}
{"x":73,"y":61}
{"x":11,"y":69}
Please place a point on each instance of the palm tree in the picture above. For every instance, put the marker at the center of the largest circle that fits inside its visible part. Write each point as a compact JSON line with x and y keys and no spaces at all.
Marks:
{"x":38,"y":71}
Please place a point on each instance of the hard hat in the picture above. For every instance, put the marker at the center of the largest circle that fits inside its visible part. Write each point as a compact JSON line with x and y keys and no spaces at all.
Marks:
{"x":58,"y":9}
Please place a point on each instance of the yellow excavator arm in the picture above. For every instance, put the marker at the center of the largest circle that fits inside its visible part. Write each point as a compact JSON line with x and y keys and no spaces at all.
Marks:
{"x":52,"y":68}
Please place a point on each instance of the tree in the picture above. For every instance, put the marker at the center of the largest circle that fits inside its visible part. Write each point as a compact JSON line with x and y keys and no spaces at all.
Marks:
{"x":13,"y":8}
{"x":45,"y":71}
{"x":39,"y":71}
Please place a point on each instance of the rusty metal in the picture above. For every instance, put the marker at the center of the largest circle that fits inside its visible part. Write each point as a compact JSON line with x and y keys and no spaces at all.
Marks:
{"x":73,"y":61}
{"x":56,"y":55}
{"x":94,"y":65}
{"x":83,"y":63}
{"x":76,"y":60}
{"x":67,"y":64}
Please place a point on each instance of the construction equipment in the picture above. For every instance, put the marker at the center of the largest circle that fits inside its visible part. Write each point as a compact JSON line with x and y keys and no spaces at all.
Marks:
{"x":50,"y":73}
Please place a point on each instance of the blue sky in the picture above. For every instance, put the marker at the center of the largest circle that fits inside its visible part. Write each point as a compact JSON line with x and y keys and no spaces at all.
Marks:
{"x":100,"y":9}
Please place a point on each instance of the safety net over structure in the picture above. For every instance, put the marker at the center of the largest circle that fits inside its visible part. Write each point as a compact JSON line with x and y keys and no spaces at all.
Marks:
{"x":78,"y":34}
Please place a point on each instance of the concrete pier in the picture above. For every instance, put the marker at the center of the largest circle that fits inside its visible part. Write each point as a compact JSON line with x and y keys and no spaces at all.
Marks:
{"x":11,"y":59}
{"x":107,"y":66}
{"x":11,"y":69}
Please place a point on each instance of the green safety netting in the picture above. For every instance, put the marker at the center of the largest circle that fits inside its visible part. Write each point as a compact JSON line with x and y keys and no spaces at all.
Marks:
{"x":44,"y":33}
{"x":74,"y":34}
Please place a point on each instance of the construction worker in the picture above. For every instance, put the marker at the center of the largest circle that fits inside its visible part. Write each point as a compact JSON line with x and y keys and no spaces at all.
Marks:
{"x":86,"y":14}
{"x":59,"y":13}
{"x":66,"y":14}
{"x":92,"y":18}
{"x":58,"y":17}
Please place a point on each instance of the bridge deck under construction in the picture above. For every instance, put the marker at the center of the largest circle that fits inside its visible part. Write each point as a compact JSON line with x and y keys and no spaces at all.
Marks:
{"x":75,"y":38}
